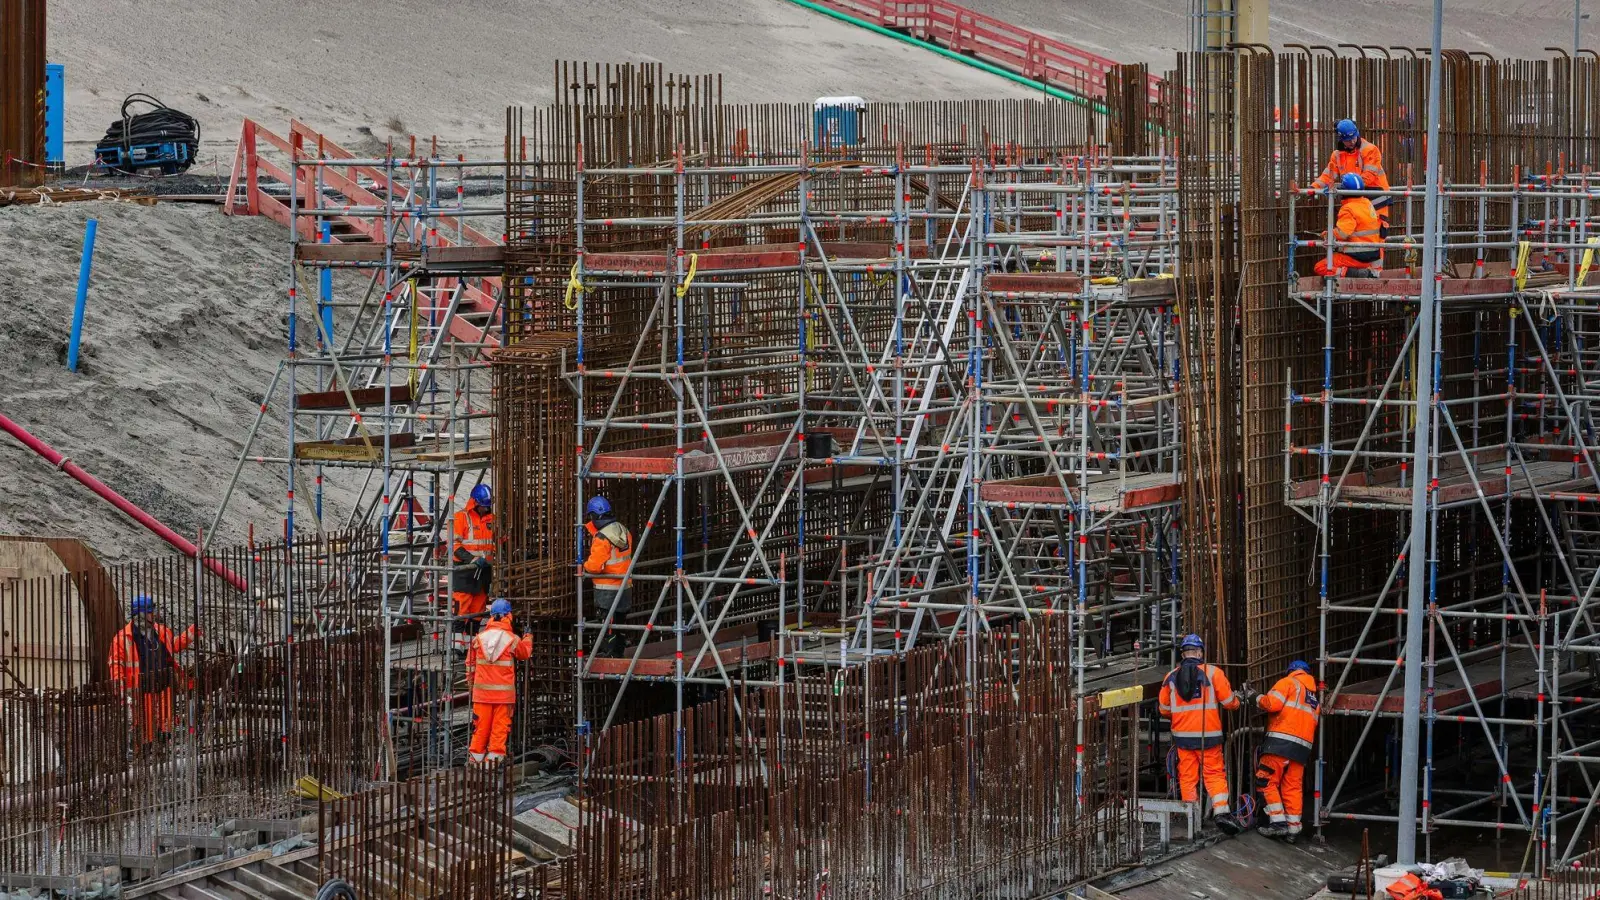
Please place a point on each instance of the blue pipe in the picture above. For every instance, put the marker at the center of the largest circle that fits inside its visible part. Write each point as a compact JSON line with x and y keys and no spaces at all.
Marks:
{"x":84,"y":265}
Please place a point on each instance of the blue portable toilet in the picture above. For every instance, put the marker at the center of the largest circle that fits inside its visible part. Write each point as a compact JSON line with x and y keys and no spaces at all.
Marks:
{"x":836,"y":121}
{"x":55,"y":116}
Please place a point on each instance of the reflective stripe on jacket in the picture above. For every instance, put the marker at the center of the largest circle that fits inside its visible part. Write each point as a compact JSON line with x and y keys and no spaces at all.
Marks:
{"x":475,"y":531}
{"x":1197,"y":723}
{"x":1291,"y":708}
{"x":491,"y":662}
{"x":610,"y":553}
{"x":1358,"y":224}
{"x":124,"y":658}
{"x":1366,"y":160}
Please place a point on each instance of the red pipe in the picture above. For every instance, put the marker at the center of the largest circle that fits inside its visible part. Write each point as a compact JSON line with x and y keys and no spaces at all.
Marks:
{"x":115,"y":499}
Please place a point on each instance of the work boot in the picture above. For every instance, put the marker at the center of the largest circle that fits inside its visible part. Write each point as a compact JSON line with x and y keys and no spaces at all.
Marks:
{"x":1273,"y":830}
{"x":1227,"y":823}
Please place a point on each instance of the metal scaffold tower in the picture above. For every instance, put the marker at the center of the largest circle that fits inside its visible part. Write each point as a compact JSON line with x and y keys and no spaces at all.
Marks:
{"x":914,"y":402}
{"x":1511,"y":485}
{"x":1076,"y":445}
{"x":383,"y":393}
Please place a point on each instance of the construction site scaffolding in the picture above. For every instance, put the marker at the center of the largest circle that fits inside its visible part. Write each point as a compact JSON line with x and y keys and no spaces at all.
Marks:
{"x":881,"y":443}
{"x":385,"y":398}
{"x":1511,"y":487}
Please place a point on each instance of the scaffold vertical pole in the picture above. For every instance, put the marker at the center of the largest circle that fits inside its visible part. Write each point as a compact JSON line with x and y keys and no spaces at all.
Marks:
{"x":1421,"y":452}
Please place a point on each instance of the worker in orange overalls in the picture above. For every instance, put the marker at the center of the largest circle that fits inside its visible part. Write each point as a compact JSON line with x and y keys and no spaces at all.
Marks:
{"x":1357,"y":223}
{"x":473,"y":555}
{"x":1357,"y":156}
{"x":1193,"y":696}
{"x":143,"y":662}
{"x":1291,"y":708}
{"x":492,"y":675}
{"x":610,"y":556}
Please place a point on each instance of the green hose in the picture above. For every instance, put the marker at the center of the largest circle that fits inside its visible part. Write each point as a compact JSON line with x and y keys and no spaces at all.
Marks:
{"x":951,"y":54}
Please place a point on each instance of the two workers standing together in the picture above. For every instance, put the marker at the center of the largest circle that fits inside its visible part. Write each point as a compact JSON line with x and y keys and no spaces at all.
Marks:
{"x":1193,"y":696}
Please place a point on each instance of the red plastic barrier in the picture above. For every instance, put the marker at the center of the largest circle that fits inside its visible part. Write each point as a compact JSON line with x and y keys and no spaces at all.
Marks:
{"x":115,"y":499}
{"x":1028,"y":53}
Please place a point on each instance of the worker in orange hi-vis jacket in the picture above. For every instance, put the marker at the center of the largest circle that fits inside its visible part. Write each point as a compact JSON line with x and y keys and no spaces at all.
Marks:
{"x":1193,"y":696}
{"x":1292,"y":708}
{"x":1355,"y":155}
{"x":1358,"y":237}
{"x":610,"y":557}
{"x":474,"y":553}
{"x":144,"y":663}
{"x":492,"y":674}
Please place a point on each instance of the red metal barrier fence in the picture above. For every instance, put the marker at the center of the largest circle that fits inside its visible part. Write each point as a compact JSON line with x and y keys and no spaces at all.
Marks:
{"x":1028,"y":53}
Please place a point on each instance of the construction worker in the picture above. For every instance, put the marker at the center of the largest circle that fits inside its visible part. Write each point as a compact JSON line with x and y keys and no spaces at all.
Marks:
{"x":1357,"y":223}
{"x":610,"y":556}
{"x":1291,"y":708}
{"x":491,"y":673}
{"x":143,"y":660}
{"x":474,"y":551}
{"x":1354,"y":155}
{"x":1193,"y":696}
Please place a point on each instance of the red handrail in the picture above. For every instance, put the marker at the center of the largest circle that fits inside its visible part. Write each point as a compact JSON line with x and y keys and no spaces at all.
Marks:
{"x":66,"y":465}
{"x":1026,"y":52}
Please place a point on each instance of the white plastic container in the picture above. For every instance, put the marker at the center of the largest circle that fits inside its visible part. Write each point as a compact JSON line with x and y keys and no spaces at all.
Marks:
{"x":1382,"y":878}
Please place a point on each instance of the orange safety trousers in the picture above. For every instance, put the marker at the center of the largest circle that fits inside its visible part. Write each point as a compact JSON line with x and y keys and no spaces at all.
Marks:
{"x":152,"y":713}
{"x":1282,"y":785}
{"x":1341,"y":262}
{"x":491,"y":726}
{"x":469,"y":604}
{"x":1207,"y":763}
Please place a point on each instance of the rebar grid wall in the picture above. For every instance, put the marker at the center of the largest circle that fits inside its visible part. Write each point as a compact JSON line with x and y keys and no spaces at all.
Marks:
{"x":247,"y":712}
{"x":946,"y":772}
{"x":442,"y":835}
{"x":22,"y":61}
{"x":1201,"y":97}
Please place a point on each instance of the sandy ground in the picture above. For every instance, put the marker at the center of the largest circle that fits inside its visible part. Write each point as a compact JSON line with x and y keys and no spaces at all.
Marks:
{"x":183,"y":332}
{"x":1152,"y":31}
{"x":451,"y":68}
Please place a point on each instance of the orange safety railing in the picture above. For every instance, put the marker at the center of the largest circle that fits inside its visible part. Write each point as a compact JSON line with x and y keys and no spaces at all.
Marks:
{"x":336,"y":187}
{"x":1028,"y":53}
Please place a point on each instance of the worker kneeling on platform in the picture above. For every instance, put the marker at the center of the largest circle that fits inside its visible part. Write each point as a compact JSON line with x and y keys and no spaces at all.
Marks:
{"x":1357,"y":224}
{"x":492,"y":675}
{"x":610,"y":557}
{"x":1193,"y":696}
{"x":1291,"y":707}
{"x":144,"y":663}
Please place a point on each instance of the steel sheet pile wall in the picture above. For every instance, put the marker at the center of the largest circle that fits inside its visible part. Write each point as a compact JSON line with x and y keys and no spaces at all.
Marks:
{"x":262,"y":698}
{"x":22,"y":59}
{"x":945,"y":773}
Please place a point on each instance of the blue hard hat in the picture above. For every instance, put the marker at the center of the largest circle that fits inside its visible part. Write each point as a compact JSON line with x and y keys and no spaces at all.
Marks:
{"x":501,"y":607}
{"x":598,"y":506}
{"x":1300,"y":665}
{"x":1347,"y":130}
{"x":481,"y":495}
{"x":1192,"y":642}
{"x":143,"y":603}
{"x":1352,"y":182}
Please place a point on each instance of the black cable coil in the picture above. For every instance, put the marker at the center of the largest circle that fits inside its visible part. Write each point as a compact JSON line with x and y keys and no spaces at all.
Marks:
{"x":161,"y":125}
